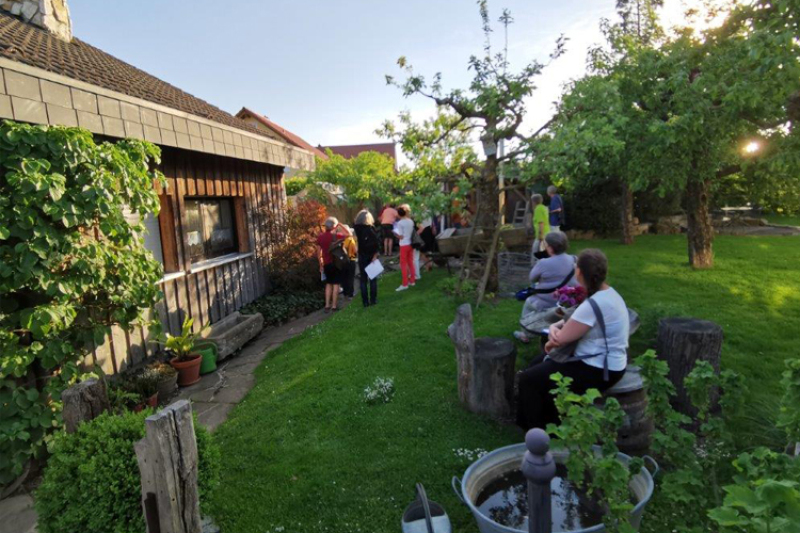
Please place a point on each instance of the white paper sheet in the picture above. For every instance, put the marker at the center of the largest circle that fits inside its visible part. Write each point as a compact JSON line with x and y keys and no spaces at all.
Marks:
{"x":374,"y":269}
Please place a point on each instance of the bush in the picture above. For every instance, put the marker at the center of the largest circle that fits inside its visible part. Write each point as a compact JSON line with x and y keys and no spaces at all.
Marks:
{"x":293,"y":256}
{"x":71,"y":266}
{"x":281,"y":306}
{"x":92,"y":480}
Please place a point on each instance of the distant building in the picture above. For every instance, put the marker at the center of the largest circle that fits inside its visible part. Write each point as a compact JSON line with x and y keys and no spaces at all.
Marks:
{"x":277,"y":132}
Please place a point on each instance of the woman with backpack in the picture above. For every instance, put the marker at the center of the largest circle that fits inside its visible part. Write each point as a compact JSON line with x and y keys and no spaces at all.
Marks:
{"x":329,"y":244}
{"x":368,"y":248}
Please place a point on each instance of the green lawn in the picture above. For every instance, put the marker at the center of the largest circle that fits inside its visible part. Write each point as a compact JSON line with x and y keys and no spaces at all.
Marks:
{"x":784,"y":220}
{"x":304,"y":452}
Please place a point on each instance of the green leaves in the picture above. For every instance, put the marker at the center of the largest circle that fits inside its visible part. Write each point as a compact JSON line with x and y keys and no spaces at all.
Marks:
{"x":70,"y":265}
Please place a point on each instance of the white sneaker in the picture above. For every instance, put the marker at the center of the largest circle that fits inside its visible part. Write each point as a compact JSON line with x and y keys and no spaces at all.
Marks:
{"x":520,"y":336}
{"x":401,"y":288}
{"x":411,"y":284}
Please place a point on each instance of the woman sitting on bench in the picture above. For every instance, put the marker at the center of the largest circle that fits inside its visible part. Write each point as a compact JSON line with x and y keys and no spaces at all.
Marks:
{"x":549,"y":274}
{"x":600,"y":332}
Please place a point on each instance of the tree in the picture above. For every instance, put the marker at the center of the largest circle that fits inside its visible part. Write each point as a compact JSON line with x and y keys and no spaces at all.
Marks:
{"x":690,"y":105}
{"x":595,"y":127}
{"x":71,"y":266}
{"x":368,"y":179}
{"x":492,"y":107}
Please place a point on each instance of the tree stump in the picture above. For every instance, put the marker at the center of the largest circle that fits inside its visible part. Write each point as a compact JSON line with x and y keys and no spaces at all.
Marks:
{"x":681,"y":343}
{"x":167,"y":458}
{"x":83,"y":402}
{"x":485,"y":368}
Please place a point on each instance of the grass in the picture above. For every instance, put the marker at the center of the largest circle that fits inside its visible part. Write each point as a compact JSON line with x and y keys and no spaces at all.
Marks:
{"x":783,"y":220}
{"x":304,"y":452}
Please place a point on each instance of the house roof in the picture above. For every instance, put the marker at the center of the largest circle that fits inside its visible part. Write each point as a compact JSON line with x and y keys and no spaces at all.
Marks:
{"x":352,"y":150}
{"x":28,"y":44}
{"x":282,"y":132}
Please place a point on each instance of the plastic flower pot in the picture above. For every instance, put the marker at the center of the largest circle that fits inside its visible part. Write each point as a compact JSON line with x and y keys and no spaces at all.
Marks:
{"x":188,"y":370}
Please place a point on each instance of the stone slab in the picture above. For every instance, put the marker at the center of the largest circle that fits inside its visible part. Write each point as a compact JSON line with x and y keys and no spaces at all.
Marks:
{"x":214,"y":414}
{"x":235,"y":388}
{"x":18,"y":515}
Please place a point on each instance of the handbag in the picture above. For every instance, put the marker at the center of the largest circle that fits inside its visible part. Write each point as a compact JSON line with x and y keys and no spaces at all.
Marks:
{"x":416,"y":240}
{"x":527,"y":292}
{"x":566,"y":353}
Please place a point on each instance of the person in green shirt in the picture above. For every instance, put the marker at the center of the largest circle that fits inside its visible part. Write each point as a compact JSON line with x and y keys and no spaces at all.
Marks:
{"x":541,"y":224}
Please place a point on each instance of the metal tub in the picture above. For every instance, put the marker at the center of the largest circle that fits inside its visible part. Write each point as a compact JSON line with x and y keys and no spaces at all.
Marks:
{"x":503,"y":460}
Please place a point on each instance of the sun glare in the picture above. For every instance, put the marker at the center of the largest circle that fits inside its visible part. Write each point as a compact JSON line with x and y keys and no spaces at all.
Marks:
{"x":752,"y":147}
{"x":675,"y":15}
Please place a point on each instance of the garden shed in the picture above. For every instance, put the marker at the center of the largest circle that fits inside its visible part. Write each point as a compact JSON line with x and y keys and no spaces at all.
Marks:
{"x":224,"y":176}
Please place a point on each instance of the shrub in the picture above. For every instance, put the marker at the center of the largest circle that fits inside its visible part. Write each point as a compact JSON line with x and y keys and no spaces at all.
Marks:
{"x":71,"y":266}
{"x":281,"y":306}
{"x":92,"y":480}
{"x":293,"y":256}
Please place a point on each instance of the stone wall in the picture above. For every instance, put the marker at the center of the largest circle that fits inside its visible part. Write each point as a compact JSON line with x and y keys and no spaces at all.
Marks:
{"x":52,"y":15}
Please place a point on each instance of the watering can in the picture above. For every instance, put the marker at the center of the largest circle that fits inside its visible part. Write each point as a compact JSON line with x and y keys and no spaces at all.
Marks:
{"x":424,"y":516}
{"x":208,"y":350}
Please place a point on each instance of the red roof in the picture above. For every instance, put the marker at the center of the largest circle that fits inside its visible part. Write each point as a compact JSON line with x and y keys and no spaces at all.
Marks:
{"x":282,"y":132}
{"x":353,"y":150}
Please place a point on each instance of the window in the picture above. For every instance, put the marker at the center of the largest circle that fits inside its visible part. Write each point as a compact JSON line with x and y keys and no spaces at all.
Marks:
{"x":210,"y":228}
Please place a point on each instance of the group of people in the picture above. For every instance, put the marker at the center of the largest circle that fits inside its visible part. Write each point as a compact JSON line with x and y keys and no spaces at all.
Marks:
{"x":341,"y":248}
{"x":592,"y":342}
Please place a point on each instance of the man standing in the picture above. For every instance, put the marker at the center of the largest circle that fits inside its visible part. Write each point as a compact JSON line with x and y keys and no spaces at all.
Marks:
{"x":541,"y":227}
{"x":388,"y":217}
{"x":556,"y":209}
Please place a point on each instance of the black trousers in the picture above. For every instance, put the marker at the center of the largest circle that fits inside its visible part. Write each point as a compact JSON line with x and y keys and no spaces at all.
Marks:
{"x":535,"y":404}
{"x":370,"y":298}
{"x":349,"y":279}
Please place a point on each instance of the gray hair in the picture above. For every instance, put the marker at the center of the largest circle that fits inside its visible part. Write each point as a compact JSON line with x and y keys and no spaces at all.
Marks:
{"x":558,"y":241}
{"x":331,"y":222}
{"x":537,"y":199}
{"x":365,"y":217}
{"x":552,"y":189}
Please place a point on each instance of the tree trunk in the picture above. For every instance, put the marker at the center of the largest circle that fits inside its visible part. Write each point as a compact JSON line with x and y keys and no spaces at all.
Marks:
{"x":489,"y":217}
{"x":485,"y":368}
{"x":627,"y":214}
{"x":83,"y":402}
{"x":681,"y":342}
{"x":700,"y":231}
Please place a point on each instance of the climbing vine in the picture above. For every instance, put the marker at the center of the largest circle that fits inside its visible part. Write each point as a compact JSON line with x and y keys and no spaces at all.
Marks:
{"x":71,"y":266}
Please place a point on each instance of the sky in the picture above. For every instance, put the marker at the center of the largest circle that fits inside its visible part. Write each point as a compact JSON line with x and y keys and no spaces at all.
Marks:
{"x":317,"y":67}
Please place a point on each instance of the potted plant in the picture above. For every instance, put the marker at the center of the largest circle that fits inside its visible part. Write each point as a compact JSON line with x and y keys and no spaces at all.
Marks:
{"x":185,"y":360}
{"x":142,"y":387}
{"x":167,"y":379}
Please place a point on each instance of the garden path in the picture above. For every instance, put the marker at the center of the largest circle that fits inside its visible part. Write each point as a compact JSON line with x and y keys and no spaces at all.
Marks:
{"x":212,"y":398}
{"x":218,"y":392}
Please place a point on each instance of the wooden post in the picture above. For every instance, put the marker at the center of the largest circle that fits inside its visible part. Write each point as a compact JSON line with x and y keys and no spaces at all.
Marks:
{"x":485,"y":368}
{"x":463,"y":338}
{"x":168,"y":463}
{"x":83,"y":402}
{"x":682,"y":342}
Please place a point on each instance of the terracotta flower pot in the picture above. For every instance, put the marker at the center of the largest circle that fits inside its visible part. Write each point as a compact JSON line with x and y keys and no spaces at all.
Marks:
{"x":152,"y":401}
{"x":188,"y":371}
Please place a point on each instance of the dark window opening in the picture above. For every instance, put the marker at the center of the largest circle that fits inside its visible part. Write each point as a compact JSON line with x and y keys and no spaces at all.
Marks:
{"x":210,"y":228}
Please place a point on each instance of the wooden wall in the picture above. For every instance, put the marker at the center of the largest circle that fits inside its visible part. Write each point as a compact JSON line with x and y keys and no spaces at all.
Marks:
{"x":214,"y":293}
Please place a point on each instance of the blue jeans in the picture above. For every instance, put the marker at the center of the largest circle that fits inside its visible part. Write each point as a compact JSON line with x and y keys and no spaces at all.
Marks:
{"x":370,"y":298}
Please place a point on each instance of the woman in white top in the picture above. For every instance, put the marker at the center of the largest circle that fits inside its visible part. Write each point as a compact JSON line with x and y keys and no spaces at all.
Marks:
{"x":601,"y":359}
{"x":403,"y":228}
